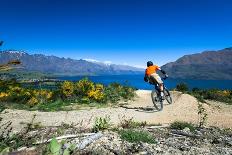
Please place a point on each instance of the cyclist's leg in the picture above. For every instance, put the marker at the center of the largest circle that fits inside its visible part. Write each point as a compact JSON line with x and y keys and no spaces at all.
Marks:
{"x":151,"y":80}
{"x":159,"y":82}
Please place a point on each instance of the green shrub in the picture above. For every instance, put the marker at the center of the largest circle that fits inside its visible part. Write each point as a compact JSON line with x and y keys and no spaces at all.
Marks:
{"x":130,"y":123}
{"x":202,"y":115}
{"x":212,"y":94}
{"x":180,"y":125}
{"x":219,"y":95}
{"x":56,"y":148}
{"x":112,"y":93}
{"x":52,"y":106}
{"x":101,"y":123}
{"x":5,"y":84}
{"x":136,"y":136}
{"x":115,"y":92}
{"x":182,"y":87}
{"x":199,"y":97}
{"x":2,"y":108}
{"x":195,"y":90}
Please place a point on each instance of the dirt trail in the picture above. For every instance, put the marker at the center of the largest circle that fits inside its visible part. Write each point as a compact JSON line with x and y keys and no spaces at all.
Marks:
{"x":184,"y":108}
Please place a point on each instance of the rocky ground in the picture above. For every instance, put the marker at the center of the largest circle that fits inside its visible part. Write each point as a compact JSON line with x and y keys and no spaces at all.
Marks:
{"x":207,"y":141}
{"x":204,"y":141}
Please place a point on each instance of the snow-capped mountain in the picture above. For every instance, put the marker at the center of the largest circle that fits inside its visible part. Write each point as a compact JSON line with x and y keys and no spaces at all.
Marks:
{"x":67,"y":66}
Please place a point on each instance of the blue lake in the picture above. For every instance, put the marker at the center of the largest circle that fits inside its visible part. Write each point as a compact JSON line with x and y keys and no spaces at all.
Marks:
{"x":137,"y":81}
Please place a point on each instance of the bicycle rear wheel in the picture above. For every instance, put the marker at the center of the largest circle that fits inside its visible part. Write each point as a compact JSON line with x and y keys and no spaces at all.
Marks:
{"x":157,"y":100}
{"x":167,"y":96}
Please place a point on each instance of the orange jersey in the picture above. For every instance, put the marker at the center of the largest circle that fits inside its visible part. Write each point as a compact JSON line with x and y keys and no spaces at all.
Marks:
{"x":151,"y":69}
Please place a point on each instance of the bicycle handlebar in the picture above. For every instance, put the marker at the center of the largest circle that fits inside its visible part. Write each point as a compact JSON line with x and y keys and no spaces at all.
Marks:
{"x":164,"y":78}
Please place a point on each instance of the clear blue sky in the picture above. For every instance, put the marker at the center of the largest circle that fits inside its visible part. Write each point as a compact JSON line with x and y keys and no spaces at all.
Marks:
{"x":121,"y":31}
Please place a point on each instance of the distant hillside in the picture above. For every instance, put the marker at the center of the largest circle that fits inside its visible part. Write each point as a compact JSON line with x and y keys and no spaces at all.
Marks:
{"x":64,"y":66}
{"x":205,"y":65}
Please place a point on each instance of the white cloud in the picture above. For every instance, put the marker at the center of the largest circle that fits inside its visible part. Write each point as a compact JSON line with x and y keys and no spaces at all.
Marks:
{"x":97,"y":61}
{"x":139,"y":66}
{"x":91,"y":60}
{"x":107,"y":62}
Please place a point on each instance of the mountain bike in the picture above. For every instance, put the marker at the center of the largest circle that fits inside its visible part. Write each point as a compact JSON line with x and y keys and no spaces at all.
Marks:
{"x":157,"y":98}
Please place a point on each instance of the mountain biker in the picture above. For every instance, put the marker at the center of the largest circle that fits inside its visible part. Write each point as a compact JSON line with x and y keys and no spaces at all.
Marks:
{"x":152,"y":77}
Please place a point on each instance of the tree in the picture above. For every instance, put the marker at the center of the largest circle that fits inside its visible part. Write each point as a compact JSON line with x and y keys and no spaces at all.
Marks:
{"x":182,"y":87}
{"x":1,"y":42}
{"x":10,"y":64}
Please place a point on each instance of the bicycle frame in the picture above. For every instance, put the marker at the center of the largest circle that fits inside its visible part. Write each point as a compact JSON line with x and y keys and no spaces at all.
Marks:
{"x":157,"y":85}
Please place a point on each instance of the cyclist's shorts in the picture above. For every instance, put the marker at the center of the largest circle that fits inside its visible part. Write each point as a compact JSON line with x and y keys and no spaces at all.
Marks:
{"x":155,"y":78}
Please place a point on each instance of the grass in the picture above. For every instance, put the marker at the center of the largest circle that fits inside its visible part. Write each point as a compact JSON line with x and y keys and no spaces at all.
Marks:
{"x":58,"y":105}
{"x":12,"y":141}
{"x":180,"y":125}
{"x":154,"y":124}
{"x":131,"y":123}
{"x":53,"y":106}
{"x":135,"y":136}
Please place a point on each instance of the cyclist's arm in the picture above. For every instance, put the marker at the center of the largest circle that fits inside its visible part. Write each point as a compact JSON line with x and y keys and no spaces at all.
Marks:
{"x":162,"y":71}
{"x":145,"y":77}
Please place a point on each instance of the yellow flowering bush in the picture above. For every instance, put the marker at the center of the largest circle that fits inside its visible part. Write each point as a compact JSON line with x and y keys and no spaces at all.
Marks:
{"x":15,"y":89}
{"x":87,"y":89}
{"x":40,"y":96}
{"x":83,"y":91}
{"x":27,"y":93}
{"x":3,"y":96}
{"x":43,"y":94}
{"x":49,"y":95}
{"x":32,"y":101}
{"x":96,"y":93}
{"x":67,"y":88}
{"x":99,"y":87}
{"x":18,"y":94}
{"x":223,"y":93}
{"x":84,"y":86}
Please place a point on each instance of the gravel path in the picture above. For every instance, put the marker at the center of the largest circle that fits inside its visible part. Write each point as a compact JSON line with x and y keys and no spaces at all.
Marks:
{"x":184,"y":108}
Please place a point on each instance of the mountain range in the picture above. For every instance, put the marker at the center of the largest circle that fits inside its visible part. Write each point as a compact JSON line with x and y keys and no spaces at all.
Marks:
{"x":205,"y":65}
{"x":64,"y":66}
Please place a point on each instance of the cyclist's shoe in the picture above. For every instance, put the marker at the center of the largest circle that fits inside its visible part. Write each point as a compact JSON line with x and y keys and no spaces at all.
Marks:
{"x":162,"y":95}
{"x":157,"y":99}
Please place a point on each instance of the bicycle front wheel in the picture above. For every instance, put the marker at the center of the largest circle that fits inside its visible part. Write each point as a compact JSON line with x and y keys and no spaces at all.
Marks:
{"x":157,"y":100}
{"x":167,"y":96}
